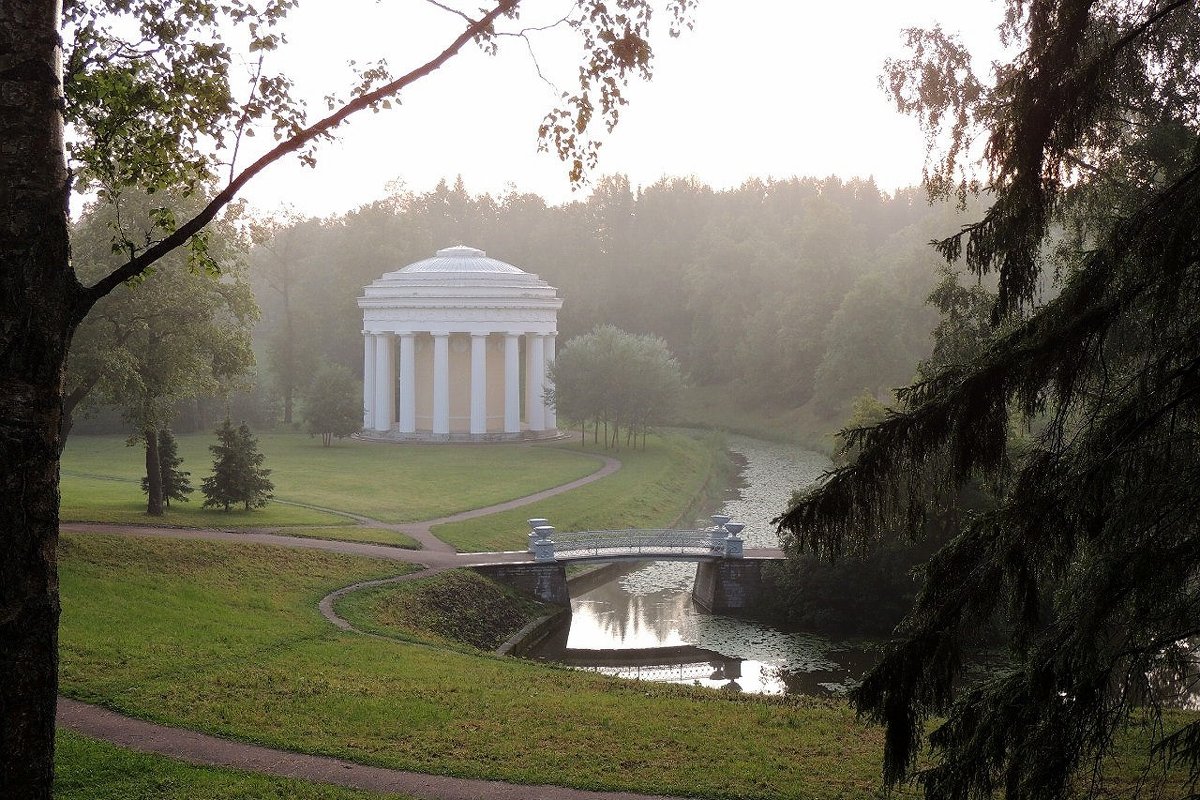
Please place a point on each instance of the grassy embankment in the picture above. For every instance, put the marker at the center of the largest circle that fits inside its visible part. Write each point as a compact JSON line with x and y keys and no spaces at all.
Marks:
{"x":226,"y":639}
{"x":725,"y":408}
{"x":454,"y":608}
{"x":393,"y":483}
{"x":86,"y":769}
{"x":659,"y":486}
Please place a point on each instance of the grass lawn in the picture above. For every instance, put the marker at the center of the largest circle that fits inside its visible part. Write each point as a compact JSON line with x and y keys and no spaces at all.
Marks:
{"x":656,"y":487}
{"x":226,"y":639}
{"x":87,"y":769}
{"x":358,"y":533}
{"x":391,"y":482}
{"x":120,"y":500}
{"x":723,"y":407}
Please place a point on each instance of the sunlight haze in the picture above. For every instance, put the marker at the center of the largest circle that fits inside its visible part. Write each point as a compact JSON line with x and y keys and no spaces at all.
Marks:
{"x":759,"y":88}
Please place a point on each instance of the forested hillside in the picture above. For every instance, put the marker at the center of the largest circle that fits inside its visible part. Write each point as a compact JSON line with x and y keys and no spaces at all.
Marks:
{"x":801,"y":291}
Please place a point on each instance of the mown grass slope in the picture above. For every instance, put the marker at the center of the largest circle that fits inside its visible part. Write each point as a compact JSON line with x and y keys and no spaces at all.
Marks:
{"x":392,"y":482}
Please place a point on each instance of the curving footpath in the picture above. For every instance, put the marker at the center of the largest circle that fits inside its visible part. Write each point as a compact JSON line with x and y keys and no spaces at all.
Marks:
{"x":203,"y":749}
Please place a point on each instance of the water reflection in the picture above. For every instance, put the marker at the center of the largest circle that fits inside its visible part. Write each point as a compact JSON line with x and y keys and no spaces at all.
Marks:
{"x":643,"y":623}
{"x":624,"y":628}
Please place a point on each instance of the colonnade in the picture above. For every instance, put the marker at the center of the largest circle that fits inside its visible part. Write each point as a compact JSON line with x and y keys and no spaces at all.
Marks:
{"x":391,"y":398}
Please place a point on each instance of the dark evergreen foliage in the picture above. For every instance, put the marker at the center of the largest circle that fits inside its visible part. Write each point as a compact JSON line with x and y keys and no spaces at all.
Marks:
{"x":1090,"y":553}
{"x":176,"y":483}
{"x":238,"y":472}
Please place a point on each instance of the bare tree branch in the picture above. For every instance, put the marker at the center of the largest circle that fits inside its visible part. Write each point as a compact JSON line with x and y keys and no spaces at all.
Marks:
{"x":451,"y":10}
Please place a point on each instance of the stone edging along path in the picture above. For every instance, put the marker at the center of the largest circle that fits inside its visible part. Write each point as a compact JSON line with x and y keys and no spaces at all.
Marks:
{"x":203,"y":749}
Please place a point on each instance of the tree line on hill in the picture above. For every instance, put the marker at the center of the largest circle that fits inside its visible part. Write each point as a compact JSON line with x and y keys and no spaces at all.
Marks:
{"x":799,"y":291}
{"x":795,"y":292}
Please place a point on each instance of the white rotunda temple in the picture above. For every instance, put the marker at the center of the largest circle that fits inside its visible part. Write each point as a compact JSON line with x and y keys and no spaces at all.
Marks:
{"x":456,"y":348}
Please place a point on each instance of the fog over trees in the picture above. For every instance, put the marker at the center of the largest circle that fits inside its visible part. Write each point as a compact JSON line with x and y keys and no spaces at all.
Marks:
{"x":799,"y":291}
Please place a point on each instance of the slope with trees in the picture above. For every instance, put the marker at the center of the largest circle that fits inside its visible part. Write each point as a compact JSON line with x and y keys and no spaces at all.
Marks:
{"x":175,"y":334}
{"x":1090,"y":551}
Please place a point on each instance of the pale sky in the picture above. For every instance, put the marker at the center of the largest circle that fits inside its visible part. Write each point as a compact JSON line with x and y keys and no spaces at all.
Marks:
{"x":760,"y":88}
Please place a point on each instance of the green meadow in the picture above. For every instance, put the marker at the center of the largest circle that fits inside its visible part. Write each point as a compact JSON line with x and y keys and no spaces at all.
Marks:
{"x":390,"y":482}
{"x":226,"y":639}
{"x":665,"y":484}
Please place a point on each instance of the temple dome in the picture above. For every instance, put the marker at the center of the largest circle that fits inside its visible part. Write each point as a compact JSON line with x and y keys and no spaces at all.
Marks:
{"x":461,"y":258}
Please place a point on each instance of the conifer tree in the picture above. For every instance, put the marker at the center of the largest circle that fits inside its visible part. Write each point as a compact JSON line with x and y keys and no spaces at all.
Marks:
{"x":1089,"y":553}
{"x":238,"y":472}
{"x":176,"y":483}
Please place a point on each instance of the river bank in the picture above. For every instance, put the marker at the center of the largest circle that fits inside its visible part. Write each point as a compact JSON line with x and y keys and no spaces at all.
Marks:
{"x":643,"y":624}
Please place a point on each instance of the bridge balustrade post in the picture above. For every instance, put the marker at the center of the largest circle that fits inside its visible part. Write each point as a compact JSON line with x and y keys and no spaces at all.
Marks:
{"x":718,"y":530}
{"x":534,"y":524}
{"x":733,"y":542}
{"x":543,"y":548}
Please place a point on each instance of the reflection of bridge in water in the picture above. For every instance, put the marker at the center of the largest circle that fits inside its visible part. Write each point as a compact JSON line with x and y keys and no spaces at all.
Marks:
{"x":681,"y":663}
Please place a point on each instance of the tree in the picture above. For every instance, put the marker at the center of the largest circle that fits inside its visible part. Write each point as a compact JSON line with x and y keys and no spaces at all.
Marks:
{"x":333,"y":404}
{"x":289,"y":356}
{"x":238,"y":472}
{"x":613,"y":378}
{"x":174,"y":483}
{"x":144,"y":112}
{"x":176,"y":334}
{"x":1090,"y":550}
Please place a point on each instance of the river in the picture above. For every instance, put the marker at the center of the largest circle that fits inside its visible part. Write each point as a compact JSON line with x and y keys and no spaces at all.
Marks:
{"x":642,"y":623}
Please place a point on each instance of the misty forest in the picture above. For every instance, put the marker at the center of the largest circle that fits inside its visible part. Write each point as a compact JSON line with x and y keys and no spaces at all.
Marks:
{"x":707,"y":467}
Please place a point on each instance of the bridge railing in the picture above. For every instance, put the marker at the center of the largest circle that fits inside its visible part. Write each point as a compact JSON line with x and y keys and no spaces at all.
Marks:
{"x":656,"y":541}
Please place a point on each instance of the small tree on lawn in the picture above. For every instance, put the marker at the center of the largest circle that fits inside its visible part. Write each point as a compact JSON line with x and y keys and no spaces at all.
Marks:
{"x":238,"y":473}
{"x":333,"y":404}
{"x":176,"y":484}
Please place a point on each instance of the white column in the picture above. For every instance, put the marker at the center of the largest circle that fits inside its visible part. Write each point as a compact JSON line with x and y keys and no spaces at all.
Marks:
{"x":385,"y":382}
{"x":535,"y":382}
{"x":441,"y":383}
{"x":408,"y":389}
{"x":368,"y":381}
{"x":512,"y":384}
{"x":478,"y":383}
{"x":548,"y":358}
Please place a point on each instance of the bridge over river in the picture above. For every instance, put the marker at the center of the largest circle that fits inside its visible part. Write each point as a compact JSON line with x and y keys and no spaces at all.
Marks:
{"x":728,"y":576}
